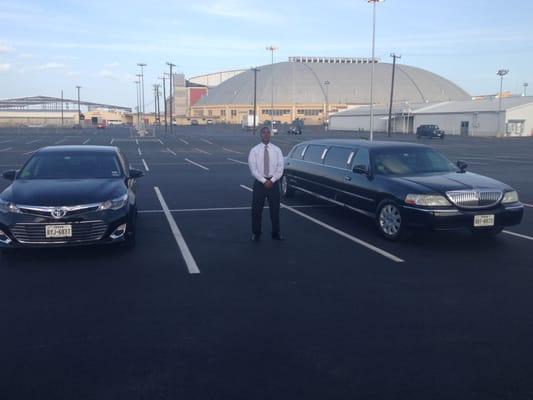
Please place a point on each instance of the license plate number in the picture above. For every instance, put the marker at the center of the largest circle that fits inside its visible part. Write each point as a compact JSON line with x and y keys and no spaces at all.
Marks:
{"x":483,"y":220}
{"x":58,"y":231}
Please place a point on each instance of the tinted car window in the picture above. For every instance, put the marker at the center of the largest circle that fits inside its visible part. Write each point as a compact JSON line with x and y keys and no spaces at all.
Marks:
{"x":361,"y":158}
{"x":314,"y":153}
{"x":297,"y":152}
{"x":72,"y":166}
{"x":338,"y":157}
{"x":411,"y":162}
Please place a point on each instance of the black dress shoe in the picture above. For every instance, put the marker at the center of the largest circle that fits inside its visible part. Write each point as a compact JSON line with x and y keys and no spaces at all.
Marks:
{"x":278,"y":237}
{"x":255,"y":238}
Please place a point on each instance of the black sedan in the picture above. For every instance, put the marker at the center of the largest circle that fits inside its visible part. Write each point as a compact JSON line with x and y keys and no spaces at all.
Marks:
{"x":70,"y":195}
{"x":402,"y":186}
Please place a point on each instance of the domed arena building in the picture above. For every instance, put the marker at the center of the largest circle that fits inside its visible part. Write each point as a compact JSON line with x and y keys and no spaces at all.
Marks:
{"x":311,"y":88}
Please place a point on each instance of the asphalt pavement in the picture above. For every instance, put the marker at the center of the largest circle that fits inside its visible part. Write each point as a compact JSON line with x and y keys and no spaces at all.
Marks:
{"x":333,"y":312}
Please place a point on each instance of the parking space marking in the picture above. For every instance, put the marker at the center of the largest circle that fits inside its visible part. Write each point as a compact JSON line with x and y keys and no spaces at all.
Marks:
{"x":237,"y":161}
{"x":29,"y":152}
{"x":137,"y":141}
{"x":198,"y":165}
{"x":202,"y":151}
{"x":139,"y":151}
{"x":171,"y":151}
{"x":6,"y":141}
{"x":160,"y":141}
{"x":206,"y":141}
{"x":231,"y":151}
{"x":180,"y":240}
{"x":60,"y":141}
{"x":518,"y":235}
{"x":187,"y":210}
{"x":369,"y":246}
{"x":528,"y":205}
{"x":184,"y":141}
{"x":6,"y":149}
{"x":33,"y":141}
{"x":87,"y":141}
{"x":145,"y":165}
{"x":112,"y":141}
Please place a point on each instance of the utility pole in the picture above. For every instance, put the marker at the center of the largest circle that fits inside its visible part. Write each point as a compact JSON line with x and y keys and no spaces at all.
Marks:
{"x":139,"y":101}
{"x":394,"y":57}
{"x":373,"y":68}
{"x":155,"y":104}
{"x":326,"y":84}
{"x":171,"y":92}
{"x":501,"y":73}
{"x":272,"y":49}
{"x":79,"y":106}
{"x":142,"y":65}
{"x":525,"y":89}
{"x":164,"y":101}
{"x":62,"y":120}
{"x":255,"y":98}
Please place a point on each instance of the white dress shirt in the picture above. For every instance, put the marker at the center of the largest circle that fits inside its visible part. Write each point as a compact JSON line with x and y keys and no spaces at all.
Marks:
{"x":256,"y":162}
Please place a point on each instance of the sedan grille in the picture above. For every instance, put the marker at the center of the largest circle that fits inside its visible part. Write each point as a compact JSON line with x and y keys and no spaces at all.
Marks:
{"x":86,"y":231}
{"x":475,"y":198}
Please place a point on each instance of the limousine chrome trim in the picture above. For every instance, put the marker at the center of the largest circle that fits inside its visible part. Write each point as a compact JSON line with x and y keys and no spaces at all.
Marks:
{"x":332,"y":188}
{"x":434,"y":211}
{"x":330,"y":200}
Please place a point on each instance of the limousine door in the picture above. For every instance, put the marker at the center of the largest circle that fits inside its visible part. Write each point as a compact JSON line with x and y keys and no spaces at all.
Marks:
{"x":311,"y":174}
{"x":336,"y":168}
{"x":358,"y":189}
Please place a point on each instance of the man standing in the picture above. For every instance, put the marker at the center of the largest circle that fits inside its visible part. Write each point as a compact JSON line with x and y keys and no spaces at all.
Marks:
{"x":266,"y":164}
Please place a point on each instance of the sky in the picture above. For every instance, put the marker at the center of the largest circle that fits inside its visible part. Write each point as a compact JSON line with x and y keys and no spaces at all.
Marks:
{"x":46,"y":47}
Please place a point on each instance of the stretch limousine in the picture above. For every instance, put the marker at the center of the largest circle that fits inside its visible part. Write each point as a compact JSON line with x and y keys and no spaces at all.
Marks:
{"x":401,"y":185}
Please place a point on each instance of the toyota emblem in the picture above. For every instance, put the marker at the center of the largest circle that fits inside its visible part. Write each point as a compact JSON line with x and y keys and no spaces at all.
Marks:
{"x":58,"y":213}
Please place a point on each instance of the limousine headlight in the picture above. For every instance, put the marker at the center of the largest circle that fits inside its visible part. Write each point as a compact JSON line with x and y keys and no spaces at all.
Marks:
{"x":114,"y":204}
{"x":510,"y":197}
{"x":428,"y":200}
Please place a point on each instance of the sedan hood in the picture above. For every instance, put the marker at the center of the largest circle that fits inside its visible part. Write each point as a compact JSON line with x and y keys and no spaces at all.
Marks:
{"x":455,"y":181}
{"x":63,"y":192}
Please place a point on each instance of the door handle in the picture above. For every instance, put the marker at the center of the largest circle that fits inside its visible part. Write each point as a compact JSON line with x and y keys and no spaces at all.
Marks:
{"x":347,"y":178}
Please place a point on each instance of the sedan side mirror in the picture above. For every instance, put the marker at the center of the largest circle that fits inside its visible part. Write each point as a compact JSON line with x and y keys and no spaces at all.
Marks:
{"x":10,"y":175}
{"x":361,"y":169}
{"x":135,"y":173}
{"x":462,"y":166}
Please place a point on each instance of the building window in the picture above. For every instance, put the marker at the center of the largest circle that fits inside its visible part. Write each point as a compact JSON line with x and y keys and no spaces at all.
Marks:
{"x":233,"y":113}
{"x":310,"y":112}
{"x":210,"y":113}
{"x":277,"y":112}
{"x":222,"y":113}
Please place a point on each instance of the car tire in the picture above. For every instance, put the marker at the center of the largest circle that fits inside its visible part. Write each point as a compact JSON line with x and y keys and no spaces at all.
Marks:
{"x":131,"y":235}
{"x":486,"y":233}
{"x":286,"y":190}
{"x":389,"y":221}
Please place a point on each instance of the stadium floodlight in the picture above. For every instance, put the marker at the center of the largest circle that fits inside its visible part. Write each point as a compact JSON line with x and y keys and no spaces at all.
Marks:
{"x":171,"y":90}
{"x":501,"y":73}
{"x":142,"y":65}
{"x":373,"y":60}
{"x":272,"y":49}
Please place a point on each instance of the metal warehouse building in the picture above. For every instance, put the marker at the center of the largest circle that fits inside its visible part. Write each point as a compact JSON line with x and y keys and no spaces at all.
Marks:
{"x":460,"y":117}
{"x":313,"y":87}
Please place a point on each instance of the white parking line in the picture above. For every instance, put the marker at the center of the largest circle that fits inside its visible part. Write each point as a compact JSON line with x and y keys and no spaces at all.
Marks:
{"x":180,"y":240}
{"x":186,"y":210}
{"x":112,"y":141}
{"x":160,"y":141}
{"x":137,"y":141}
{"x":171,"y":151}
{"x":29,"y":152}
{"x":231,"y":151}
{"x":33,"y":141}
{"x":87,"y":141}
{"x":339,"y":232}
{"x":139,"y":151}
{"x":201,"y":151}
{"x":528,"y":205}
{"x":518,"y":235}
{"x":60,"y":141}
{"x":206,"y":141}
{"x":198,"y":165}
{"x":6,"y":149}
{"x":184,"y":141}
{"x":145,"y":165}
{"x":237,"y":161}
{"x":5,"y":141}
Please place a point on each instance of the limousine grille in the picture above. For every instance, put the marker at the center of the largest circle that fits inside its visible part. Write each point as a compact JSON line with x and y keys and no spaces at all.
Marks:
{"x":81,"y":232}
{"x":475,"y":198}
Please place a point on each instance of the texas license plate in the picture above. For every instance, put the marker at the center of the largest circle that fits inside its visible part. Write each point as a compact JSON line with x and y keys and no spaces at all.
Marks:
{"x":58,"y":231}
{"x":483,"y":220}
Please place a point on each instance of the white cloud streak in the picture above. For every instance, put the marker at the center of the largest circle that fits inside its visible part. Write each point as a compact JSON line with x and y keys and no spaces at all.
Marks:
{"x":5,"y":68}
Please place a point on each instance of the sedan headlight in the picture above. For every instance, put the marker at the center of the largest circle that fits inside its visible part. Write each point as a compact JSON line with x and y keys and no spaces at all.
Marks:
{"x":510,"y":197}
{"x":6,"y":207}
{"x":114,"y":204}
{"x":427,"y":200}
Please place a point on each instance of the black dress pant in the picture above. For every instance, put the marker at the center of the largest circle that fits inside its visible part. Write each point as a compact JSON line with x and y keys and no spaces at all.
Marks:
{"x":261,"y":193}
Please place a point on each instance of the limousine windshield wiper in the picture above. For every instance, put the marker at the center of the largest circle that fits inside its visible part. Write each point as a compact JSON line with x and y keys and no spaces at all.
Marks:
{"x":402,"y":186}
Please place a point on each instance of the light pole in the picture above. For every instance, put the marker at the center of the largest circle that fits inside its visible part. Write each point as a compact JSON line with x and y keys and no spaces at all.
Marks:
{"x":255,"y":98}
{"x":373,"y":66}
{"x":525,"y":85}
{"x":171,"y":90}
{"x":142,"y":65}
{"x":164,"y":100}
{"x":394,"y":57}
{"x":79,"y":106}
{"x":272,"y":49}
{"x":501,"y":73}
{"x":326,"y":84}
{"x":62,"y":108}
{"x":139,"y":101}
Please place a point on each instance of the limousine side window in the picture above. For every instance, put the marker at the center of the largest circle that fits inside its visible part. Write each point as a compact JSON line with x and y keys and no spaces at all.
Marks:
{"x":338,"y":157}
{"x":297,"y":152}
{"x":314,"y":153}
{"x":362,"y":157}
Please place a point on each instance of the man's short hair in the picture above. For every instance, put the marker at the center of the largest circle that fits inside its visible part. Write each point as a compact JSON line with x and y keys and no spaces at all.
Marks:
{"x":265,"y":129}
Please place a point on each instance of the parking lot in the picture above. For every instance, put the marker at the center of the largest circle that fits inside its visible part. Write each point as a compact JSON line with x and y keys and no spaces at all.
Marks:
{"x":198,"y":311}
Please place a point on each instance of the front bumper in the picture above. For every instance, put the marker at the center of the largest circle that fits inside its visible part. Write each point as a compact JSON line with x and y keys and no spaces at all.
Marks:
{"x":451,"y":219}
{"x":109,"y":221}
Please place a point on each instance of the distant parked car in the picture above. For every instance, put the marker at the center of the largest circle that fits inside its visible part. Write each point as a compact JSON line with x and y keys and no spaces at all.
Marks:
{"x":101,"y":125}
{"x":296,"y":127}
{"x":194,"y":122}
{"x":429,"y":131}
{"x":273,"y":125}
{"x":209,"y":122}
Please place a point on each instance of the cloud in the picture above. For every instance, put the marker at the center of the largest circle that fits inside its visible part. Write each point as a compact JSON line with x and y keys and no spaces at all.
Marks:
{"x":107,"y":74}
{"x":112,"y":65}
{"x":235,"y":9}
{"x":5,"y":67}
{"x":4,"y":48}
{"x":53,"y":66}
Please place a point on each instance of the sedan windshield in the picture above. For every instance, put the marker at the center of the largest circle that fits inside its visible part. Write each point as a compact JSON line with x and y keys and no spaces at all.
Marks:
{"x":398,"y":162}
{"x":72,"y":166}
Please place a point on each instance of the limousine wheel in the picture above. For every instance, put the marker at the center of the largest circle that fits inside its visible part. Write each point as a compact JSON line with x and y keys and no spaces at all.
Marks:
{"x":286,"y":190}
{"x":389,"y":220}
